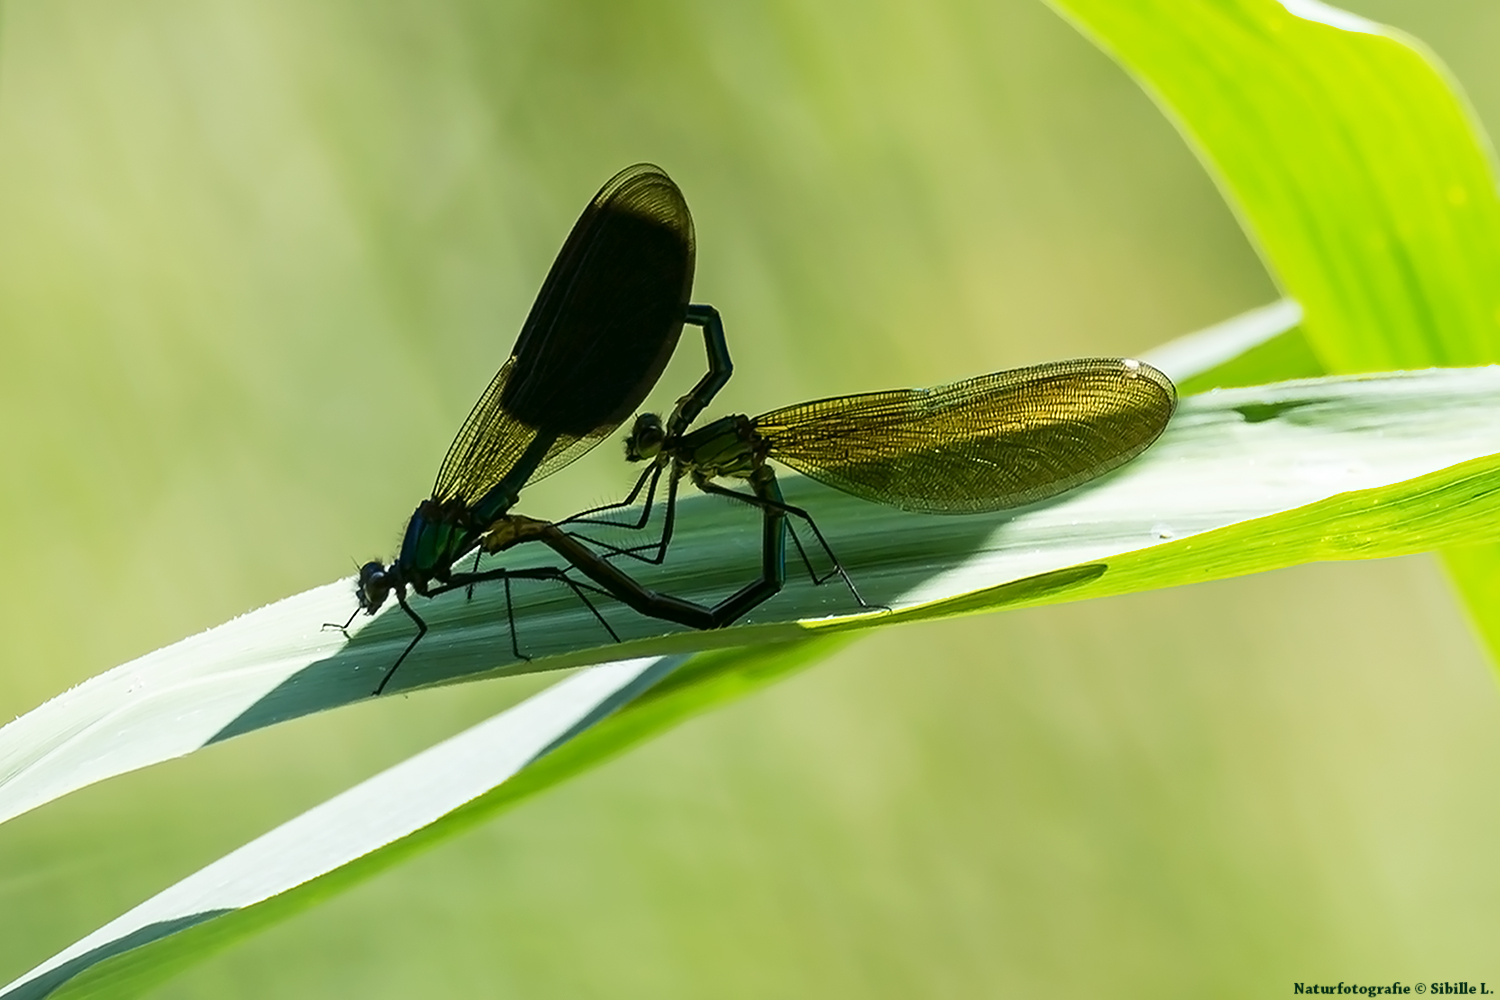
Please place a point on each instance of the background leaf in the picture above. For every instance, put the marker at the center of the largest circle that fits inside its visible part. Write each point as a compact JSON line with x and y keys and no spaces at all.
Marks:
{"x":1358,"y":168}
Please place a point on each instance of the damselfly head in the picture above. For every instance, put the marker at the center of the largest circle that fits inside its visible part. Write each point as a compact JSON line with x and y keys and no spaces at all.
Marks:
{"x":374,"y":586}
{"x":645,"y":439}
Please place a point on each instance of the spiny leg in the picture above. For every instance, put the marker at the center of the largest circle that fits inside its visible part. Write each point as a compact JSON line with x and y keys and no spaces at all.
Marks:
{"x":344,"y":628}
{"x":669,"y":523}
{"x":469,"y":594}
{"x":578,"y":592}
{"x":510,"y":616}
{"x":468,"y":582}
{"x":772,"y":552}
{"x":652,"y":474}
{"x":573,"y":585}
{"x":838,"y":567}
{"x":768,"y":497}
{"x":421,"y":631}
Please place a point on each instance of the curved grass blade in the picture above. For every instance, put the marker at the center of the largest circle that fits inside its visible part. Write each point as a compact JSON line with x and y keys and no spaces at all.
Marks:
{"x":338,"y":844}
{"x":387,"y":808}
{"x":1230,"y":456}
{"x":111,"y":724}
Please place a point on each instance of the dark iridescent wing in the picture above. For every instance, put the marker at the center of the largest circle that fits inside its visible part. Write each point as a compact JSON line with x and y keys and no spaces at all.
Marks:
{"x":601,"y":331}
{"x":987,"y":443}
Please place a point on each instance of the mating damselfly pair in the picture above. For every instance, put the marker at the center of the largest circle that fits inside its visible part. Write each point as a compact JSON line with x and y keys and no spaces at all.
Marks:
{"x":601,"y":332}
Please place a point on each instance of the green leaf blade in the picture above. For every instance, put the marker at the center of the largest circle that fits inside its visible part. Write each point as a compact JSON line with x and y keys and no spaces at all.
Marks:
{"x":1245,"y":480}
{"x":1352,"y":161}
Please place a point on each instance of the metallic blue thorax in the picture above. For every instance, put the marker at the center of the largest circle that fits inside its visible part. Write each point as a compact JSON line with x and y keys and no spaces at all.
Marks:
{"x":436,"y":536}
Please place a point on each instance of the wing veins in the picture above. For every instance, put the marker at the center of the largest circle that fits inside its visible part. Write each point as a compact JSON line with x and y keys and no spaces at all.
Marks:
{"x":987,"y":443}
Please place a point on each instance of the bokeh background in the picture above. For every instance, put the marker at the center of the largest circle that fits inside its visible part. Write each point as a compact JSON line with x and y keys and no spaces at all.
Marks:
{"x":258,"y":259}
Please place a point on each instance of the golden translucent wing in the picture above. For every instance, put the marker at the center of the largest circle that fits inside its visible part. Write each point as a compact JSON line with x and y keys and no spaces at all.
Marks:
{"x":983,"y":444}
{"x":492,"y":444}
{"x":602,"y":329}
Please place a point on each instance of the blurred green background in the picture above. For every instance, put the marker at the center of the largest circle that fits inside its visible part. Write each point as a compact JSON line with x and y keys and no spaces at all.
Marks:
{"x":257,"y":261}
